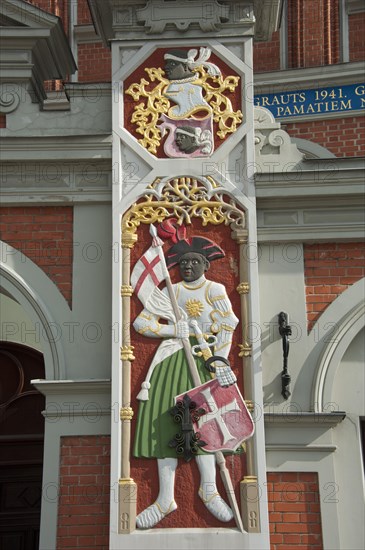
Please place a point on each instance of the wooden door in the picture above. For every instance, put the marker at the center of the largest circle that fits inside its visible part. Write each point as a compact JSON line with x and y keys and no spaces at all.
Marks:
{"x":21,"y":447}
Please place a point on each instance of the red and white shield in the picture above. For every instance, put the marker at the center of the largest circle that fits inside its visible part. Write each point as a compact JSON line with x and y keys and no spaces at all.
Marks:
{"x":227,"y":421}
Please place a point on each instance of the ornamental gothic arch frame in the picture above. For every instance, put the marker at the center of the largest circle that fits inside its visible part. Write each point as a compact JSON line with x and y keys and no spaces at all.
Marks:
{"x":209,"y":191}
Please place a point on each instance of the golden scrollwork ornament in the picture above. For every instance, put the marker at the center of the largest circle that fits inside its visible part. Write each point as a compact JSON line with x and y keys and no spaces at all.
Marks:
{"x":185,"y":105}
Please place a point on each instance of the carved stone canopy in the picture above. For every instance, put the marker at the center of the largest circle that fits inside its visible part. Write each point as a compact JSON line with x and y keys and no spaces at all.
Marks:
{"x":34,"y":49}
{"x":217,"y":18}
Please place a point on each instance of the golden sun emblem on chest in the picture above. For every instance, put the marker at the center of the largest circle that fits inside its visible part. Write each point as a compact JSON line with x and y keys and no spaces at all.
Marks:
{"x":194,"y":307}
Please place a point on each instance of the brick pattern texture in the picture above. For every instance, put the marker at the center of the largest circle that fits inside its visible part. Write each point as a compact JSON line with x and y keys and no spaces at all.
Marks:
{"x":83,"y":513}
{"x":45,"y":235}
{"x":56,"y":7}
{"x":344,"y":137}
{"x":320,"y":46}
{"x":329,"y":269}
{"x":83,"y":13}
{"x":357,"y":36}
{"x":266,"y":55}
{"x":94,"y":63}
{"x":294,"y":511}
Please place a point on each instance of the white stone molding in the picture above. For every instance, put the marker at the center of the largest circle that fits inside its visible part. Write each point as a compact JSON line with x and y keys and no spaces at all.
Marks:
{"x":339,"y":74}
{"x":312,"y":150}
{"x":125,"y":19}
{"x":350,"y":321}
{"x":320,"y":196}
{"x":29,"y":286}
{"x":61,"y":170}
{"x":73,"y":408}
{"x":268,"y":16}
{"x":274,"y":150}
{"x":158,"y":14}
{"x":9,"y":98}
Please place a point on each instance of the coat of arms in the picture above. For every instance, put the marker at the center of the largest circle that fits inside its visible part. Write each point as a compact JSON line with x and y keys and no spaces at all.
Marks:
{"x":186,"y":107}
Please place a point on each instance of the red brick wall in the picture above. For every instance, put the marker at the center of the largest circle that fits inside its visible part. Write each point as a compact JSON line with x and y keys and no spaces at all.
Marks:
{"x":83,"y":13}
{"x":357,"y":36}
{"x":56,"y":7}
{"x":2,"y":121}
{"x":94,"y":63}
{"x":313,"y":33}
{"x":266,"y":55}
{"x":294,"y":511}
{"x":45,"y":235}
{"x":94,"y":60}
{"x":344,"y":137}
{"x":329,"y":269}
{"x":83,"y":513}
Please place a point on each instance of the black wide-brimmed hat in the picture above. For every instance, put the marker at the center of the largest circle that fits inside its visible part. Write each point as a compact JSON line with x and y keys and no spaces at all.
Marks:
{"x":200,"y":245}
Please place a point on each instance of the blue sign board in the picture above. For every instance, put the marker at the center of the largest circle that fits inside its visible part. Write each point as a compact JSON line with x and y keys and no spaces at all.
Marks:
{"x":317,"y":101}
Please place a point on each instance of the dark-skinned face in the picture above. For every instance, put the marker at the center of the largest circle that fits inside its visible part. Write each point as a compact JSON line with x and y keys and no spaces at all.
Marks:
{"x":192,"y":266}
{"x":176,"y":70}
{"x":185,"y":143}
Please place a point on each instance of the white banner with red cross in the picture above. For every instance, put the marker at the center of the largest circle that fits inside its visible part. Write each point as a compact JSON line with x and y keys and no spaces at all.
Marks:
{"x":226,"y":422}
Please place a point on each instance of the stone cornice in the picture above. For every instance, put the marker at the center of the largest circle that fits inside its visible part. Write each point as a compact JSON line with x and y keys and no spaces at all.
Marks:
{"x":72,"y":148}
{"x":319,"y":177}
{"x":295,"y":419}
{"x":125,"y":19}
{"x":313,"y":77}
{"x":72,"y":387}
{"x":354,"y":6}
{"x":85,"y":34}
{"x":57,"y":170}
{"x":324,"y":200}
{"x":268,"y":17}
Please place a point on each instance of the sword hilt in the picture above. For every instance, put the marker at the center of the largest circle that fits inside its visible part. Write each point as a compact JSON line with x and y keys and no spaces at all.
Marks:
{"x":210,"y":367}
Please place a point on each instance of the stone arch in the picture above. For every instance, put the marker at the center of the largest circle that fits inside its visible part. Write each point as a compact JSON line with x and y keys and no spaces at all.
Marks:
{"x":28,"y":285}
{"x":349,"y":309}
{"x":312,"y":150}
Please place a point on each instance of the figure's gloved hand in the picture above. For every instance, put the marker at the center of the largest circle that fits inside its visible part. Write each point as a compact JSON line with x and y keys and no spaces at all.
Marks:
{"x":182,"y":329}
{"x":225,"y":376}
{"x":222,"y":369}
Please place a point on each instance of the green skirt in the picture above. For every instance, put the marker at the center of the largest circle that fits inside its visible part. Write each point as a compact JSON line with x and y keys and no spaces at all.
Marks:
{"x":155,"y":424}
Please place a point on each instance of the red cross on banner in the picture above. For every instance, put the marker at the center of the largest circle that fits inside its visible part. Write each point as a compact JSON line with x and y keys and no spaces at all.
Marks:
{"x":147,"y":273}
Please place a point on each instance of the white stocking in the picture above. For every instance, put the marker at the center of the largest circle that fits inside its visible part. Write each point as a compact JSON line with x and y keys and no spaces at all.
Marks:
{"x":165,"y":502}
{"x":208,"y":489}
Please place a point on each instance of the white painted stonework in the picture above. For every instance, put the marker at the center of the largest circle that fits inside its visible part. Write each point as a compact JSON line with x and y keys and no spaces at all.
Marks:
{"x":231,"y":166}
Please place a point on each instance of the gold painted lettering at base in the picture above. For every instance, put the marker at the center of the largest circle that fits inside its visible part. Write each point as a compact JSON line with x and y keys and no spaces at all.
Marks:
{"x":250,"y":498}
{"x":127,"y":498}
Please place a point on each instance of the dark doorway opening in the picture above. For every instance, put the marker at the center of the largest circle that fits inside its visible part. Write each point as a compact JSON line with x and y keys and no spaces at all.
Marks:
{"x":21,"y":446}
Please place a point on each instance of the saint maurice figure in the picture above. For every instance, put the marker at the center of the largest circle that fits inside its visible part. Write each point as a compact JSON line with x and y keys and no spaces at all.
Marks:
{"x":203,"y":303}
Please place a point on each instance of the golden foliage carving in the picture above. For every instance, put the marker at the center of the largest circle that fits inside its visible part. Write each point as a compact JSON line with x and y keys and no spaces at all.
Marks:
{"x":147,"y":113}
{"x":184,"y":198}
